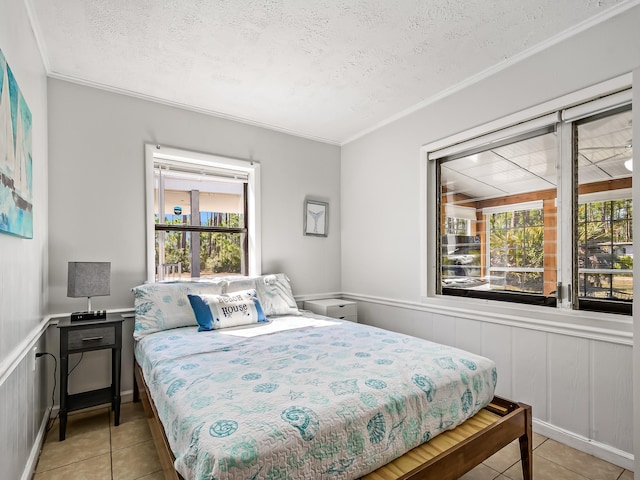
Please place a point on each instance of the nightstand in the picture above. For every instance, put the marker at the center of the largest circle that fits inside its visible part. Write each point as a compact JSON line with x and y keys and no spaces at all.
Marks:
{"x":85,"y":336}
{"x":334,"y":307}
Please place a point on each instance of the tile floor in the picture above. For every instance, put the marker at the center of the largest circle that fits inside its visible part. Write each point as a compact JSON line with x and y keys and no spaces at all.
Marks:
{"x":95,"y":449}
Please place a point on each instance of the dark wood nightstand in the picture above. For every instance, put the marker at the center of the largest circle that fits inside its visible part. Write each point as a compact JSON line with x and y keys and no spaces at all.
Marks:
{"x":85,"y":336}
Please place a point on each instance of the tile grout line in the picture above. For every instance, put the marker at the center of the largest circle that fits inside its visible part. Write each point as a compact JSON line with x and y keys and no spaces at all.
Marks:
{"x":567,"y":468}
{"x":504,"y":472}
{"x":580,"y":474}
{"x":64,"y":465}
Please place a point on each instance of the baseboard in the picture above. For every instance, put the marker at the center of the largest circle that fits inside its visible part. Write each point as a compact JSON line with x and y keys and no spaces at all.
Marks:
{"x":32,"y":461}
{"x":586,"y":445}
{"x":127,"y":396}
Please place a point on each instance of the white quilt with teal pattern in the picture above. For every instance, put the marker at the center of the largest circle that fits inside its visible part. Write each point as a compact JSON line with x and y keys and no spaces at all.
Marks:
{"x":305,"y":397}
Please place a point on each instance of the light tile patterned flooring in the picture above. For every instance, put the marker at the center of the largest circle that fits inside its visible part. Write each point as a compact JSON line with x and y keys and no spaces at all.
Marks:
{"x":96,"y":450}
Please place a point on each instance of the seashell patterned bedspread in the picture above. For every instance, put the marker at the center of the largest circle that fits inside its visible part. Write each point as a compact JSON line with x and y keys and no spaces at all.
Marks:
{"x":305,"y":397}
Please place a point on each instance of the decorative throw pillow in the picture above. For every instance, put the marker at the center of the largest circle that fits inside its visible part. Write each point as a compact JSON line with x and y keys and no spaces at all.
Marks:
{"x":274,"y":292}
{"x":228,"y":310}
{"x":161,"y":306}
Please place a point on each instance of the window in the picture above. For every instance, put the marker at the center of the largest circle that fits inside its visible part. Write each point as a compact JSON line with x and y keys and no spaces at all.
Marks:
{"x":203,"y":215}
{"x":548,"y":211}
{"x":511,"y":190}
{"x":605,"y":212}
{"x":515,"y":245}
{"x":605,"y":250}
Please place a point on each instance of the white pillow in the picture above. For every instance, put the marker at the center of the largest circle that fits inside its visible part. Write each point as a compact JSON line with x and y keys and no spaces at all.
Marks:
{"x":276,"y":297}
{"x":274,"y":292}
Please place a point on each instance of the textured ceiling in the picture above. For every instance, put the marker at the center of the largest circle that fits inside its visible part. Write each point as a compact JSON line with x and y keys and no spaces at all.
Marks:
{"x":325,"y":69}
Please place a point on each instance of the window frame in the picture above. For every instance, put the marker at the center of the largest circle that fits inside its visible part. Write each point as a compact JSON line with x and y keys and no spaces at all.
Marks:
{"x":618,"y":90}
{"x":224,"y":165}
{"x":543,"y":125}
{"x":592,"y":303}
{"x":582,"y":115}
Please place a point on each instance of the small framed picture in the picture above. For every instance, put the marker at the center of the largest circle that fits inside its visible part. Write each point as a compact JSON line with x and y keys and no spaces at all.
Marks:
{"x":316,"y":218}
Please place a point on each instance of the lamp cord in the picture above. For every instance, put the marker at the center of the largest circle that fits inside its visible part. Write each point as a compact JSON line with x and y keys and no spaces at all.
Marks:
{"x":77,"y":363}
{"x":51,"y":421}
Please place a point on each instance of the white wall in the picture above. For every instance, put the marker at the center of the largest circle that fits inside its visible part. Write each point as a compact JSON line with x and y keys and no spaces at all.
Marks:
{"x":97,"y":198}
{"x":23,"y":262}
{"x":580,"y":388}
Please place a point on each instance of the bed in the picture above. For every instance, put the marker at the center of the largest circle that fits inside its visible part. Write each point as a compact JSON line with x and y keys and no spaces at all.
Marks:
{"x":296,"y":395}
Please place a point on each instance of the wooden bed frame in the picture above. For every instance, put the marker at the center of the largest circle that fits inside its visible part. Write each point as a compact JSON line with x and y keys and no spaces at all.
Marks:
{"x":448,"y":456}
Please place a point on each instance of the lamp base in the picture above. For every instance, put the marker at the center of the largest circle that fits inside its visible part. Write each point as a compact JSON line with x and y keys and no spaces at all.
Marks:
{"x":91,"y":315}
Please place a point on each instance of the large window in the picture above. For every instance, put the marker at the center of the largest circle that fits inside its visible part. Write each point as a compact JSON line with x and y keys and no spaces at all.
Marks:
{"x":551,"y":212}
{"x":511,"y":188}
{"x":201,"y":214}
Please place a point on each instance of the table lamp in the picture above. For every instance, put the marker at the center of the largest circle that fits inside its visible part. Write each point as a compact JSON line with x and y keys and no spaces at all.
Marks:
{"x":89,"y":279}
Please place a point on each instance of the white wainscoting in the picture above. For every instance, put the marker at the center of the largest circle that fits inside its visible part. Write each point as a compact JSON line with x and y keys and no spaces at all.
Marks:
{"x":23,"y":396}
{"x":580,"y":388}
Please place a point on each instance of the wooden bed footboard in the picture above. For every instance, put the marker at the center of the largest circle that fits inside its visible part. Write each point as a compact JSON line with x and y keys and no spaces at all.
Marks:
{"x":448,"y":456}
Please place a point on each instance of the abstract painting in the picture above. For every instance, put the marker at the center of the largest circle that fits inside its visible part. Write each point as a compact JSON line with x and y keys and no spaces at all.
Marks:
{"x":16,"y":208}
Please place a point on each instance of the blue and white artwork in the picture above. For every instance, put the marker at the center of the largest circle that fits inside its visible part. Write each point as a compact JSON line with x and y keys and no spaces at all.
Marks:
{"x":16,"y":208}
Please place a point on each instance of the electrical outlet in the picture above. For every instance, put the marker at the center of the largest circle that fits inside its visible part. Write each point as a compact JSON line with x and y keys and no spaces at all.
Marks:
{"x":33,"y":359}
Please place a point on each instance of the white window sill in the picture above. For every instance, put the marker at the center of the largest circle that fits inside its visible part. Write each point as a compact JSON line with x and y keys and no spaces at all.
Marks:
{"x":592,"y":325}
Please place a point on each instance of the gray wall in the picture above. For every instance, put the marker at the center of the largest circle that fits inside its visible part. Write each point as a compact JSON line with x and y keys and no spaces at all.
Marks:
{"x":23,"y":264}
{"x":97,"y":197}
{"x":563,"y":376}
